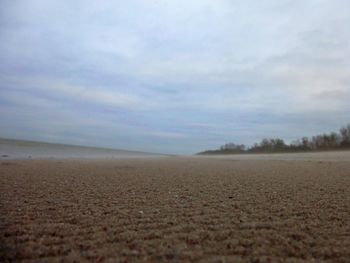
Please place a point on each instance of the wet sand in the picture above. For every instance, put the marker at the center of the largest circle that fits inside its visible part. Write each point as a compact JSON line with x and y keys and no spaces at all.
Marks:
{"x":175,"y":210}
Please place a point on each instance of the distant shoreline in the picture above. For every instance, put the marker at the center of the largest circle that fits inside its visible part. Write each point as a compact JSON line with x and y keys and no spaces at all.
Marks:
{"x":24,"y":149}
{"x":73,"y":145}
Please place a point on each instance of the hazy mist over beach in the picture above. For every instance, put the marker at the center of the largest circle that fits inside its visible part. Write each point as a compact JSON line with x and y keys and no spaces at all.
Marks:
{"x":18,"y":149}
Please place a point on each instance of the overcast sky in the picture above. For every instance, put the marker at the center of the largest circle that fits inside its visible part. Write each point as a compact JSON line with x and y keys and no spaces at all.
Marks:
{"x":173,"y":76}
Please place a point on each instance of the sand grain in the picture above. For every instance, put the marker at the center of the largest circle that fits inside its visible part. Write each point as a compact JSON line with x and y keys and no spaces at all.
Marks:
{"x":175,"y":209}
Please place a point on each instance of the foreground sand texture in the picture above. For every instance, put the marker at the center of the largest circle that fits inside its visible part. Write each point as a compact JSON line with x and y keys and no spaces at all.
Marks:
{"x":176,"y":210}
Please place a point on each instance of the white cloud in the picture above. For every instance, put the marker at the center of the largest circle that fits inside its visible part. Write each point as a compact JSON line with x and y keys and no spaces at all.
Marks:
{"x":113,"y":97}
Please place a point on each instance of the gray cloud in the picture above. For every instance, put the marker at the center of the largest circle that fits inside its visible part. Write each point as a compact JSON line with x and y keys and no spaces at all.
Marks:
{"x":172,"y":75}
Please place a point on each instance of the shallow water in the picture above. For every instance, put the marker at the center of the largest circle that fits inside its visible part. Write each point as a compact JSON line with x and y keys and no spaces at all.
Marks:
{"x":18,"y":149}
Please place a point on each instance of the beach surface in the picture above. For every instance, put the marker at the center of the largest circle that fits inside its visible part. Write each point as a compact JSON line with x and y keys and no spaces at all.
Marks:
{"x":175,"y":209}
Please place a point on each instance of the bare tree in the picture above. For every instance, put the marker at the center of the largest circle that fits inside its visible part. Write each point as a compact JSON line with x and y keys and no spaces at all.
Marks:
{"x":345,"y":136}
{"x":324,"y":141}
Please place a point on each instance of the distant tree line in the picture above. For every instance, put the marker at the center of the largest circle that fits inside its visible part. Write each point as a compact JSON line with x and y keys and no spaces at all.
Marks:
{"x":321,"y":142}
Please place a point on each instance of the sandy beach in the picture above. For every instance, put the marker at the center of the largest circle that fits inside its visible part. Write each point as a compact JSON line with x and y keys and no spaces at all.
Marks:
{"x":175,"y":209}
{"x":175,"y":131}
